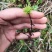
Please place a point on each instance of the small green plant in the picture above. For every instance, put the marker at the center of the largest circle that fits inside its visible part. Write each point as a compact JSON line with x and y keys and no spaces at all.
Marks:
{"x":29,"y":8}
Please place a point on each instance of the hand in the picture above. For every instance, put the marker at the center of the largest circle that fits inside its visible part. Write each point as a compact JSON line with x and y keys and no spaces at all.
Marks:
{"x":13,"y":19}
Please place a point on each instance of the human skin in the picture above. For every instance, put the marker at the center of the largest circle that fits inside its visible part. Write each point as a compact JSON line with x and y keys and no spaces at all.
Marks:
{"x":13,"y":19}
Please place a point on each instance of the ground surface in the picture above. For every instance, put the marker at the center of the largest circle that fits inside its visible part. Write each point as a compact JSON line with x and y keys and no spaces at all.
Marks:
{"x":41,"y":44}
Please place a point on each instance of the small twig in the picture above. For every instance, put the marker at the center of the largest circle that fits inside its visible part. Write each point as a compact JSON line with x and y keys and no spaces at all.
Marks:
{"x":20,"y":48}
{"x":28,"y":47}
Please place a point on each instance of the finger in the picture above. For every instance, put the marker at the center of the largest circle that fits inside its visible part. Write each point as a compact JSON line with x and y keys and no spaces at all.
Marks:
{"x":40,"y":21}
{"x":27,"y":20}
{"x":13,"y":13}
{"x":36,"y":14}
{"x":26,"y":25}
{"x":25,"y":36}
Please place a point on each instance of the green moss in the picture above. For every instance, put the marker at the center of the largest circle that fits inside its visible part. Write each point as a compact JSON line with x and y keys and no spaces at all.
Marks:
{"x":27,"y":9}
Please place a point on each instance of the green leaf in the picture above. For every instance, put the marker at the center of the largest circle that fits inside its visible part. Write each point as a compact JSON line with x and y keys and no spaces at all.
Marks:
{"x":35,"y":7}
{"x":25,"y":29}
{"x":39,"y":2}
{"x":22,"y":42}
{"x":28,"y":2}
{"x":20,"y":5}
{"x":50,"y":31}
{"x":13,"y":1}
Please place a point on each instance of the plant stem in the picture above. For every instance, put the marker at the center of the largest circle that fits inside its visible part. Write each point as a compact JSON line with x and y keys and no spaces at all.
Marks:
{"x":30,"y":31}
